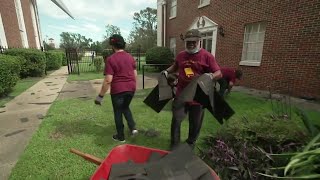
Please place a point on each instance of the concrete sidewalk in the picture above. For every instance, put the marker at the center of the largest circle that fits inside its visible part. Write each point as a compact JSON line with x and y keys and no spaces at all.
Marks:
{"x":22,"y":116}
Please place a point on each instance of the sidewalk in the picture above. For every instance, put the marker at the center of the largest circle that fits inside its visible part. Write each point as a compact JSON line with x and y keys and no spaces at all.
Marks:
{"x":22,"y":116}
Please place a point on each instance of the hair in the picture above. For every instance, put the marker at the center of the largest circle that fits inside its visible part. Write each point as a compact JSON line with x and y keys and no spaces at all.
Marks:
{"x":238,"y":74}
{"x":117,"y":41}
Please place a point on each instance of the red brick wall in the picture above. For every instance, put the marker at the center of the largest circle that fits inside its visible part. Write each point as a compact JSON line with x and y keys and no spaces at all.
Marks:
{"x":10,"y":23}
{"x":291,"y":50}
{"x":28,"y":22}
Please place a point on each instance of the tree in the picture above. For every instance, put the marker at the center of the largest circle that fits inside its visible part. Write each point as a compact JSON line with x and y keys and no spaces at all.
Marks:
{"x":144,"y":32}
{"x":97,"y":47}
{"x":73,"y":40}
{"x":110,"y":30}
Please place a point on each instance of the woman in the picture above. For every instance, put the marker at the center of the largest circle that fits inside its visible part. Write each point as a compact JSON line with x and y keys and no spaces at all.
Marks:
{"x":120,"y":78}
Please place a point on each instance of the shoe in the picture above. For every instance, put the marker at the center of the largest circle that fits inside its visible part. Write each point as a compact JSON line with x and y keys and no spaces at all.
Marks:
{"x":134,"y":132}
{"x":117,"y":138}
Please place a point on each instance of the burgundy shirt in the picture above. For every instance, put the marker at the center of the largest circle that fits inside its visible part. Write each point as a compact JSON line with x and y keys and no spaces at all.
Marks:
{"x":121,"y":65}
{"x":193,"y":65}
{"x":228,"y":74}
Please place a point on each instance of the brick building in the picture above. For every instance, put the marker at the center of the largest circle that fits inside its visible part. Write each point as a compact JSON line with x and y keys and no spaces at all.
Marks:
{"x":275,"y":43}
{"x":20,"y":25}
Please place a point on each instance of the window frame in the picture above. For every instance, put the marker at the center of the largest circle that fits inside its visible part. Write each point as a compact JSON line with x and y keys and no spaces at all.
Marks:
{"x":203,"y":3}
{"x":173,"y":6}
{"x":253,"y":30}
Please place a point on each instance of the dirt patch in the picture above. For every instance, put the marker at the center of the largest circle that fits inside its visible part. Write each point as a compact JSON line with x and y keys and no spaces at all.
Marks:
{"x":56,"y":135}
{"x":77,"y":89}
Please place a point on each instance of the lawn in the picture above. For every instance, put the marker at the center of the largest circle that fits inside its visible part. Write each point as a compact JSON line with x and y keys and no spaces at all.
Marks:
{"x":78,"y":123}
{"x":21,"y":86}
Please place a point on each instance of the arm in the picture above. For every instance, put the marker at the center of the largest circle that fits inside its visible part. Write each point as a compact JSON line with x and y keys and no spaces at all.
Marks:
{"x":106,"y":85}
{"x":173,"y":68}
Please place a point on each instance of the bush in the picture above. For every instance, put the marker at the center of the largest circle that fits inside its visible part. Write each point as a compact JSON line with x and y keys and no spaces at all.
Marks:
{"x":53,"y":60}
{"x":159,"y":55}
{"x":9,"y":73}
{"x":106,"y":52}
{"x":238,"y":149}
{"x":63,"y":56}
{"x":97,"y":61}
{"x":35,"y":63}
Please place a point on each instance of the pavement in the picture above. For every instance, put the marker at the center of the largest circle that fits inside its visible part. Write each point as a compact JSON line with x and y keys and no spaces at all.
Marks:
{"x":21,"y":116}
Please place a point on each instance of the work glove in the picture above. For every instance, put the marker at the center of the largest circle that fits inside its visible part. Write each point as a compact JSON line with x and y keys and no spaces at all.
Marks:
{"x":165,"y":73}
{"x":98,"y":100}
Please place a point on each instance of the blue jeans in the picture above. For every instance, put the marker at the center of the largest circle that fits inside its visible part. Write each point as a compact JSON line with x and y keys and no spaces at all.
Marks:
{"x":120,"y":103}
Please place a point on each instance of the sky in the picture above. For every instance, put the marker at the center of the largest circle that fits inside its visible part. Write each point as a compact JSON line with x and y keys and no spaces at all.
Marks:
{"x":91,"y":17}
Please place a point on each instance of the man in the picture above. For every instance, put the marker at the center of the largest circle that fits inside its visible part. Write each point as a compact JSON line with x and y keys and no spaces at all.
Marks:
{"x":229,"y":76}
{"x":120,"y":76}
{"x":190,"y":63}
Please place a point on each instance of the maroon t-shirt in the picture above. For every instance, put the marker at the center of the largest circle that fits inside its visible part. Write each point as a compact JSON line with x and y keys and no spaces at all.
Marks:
{"x":228,"y":74}
{"x":121,"y":65}
{"x":193,"y":65}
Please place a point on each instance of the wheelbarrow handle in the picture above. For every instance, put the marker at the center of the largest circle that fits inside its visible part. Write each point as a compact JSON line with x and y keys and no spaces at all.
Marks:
{"x":87,"y":157}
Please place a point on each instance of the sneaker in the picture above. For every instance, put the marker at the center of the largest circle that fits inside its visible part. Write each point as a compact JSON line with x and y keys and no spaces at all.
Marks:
{"x":134,"y":132}
{"x":117,"y":138}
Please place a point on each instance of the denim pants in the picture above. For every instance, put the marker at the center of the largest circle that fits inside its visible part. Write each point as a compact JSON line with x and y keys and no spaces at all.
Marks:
{"x":120,"y":103}
{"x":196,"y":114}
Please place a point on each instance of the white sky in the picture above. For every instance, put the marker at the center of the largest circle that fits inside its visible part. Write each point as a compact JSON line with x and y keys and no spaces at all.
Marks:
{"x":91,"y":17}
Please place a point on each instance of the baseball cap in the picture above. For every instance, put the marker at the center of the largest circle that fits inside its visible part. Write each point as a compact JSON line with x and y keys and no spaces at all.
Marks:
{"x":192,"y":35}
{"x":116,"y":39}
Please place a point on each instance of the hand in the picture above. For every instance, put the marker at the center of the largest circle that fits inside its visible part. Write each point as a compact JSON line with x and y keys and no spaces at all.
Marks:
{"x":98,"y":100}
{"x":165,"y":73}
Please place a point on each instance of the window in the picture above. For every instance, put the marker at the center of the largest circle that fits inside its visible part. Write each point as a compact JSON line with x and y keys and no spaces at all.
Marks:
{"x":203,"y":3}
{"x":173,"y":46}
{"x":22,"y":28}
{"x":173,"y":9}
{"x":206,"y":41}
{"x":253,"y":44}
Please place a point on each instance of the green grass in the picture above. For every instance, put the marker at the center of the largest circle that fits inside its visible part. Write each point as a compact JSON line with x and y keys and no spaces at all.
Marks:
{"x":21,"y":86}
{"x":85,"y":76}
{"x":82,"y":125}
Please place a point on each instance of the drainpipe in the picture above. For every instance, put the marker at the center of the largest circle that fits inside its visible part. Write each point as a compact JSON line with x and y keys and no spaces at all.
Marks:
{"x":164,"y":21}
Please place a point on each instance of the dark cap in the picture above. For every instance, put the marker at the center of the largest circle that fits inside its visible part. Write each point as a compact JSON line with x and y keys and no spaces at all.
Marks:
{"x":116,"y":39}
{"x":192,"y":35}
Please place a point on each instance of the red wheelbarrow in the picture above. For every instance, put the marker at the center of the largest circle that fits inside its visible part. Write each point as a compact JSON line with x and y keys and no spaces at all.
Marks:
{"x":121,"y":154}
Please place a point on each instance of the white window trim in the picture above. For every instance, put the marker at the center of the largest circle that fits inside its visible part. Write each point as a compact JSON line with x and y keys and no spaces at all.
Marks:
{"x":3,"y":39}
{"x":250,"y":63}
{"x":203,"y":4}
{"x":171,"y":17}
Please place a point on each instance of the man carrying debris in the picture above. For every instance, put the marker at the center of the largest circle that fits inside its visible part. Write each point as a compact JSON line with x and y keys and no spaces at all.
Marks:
{"x":191,"y":63}
{"x":229,"y":76}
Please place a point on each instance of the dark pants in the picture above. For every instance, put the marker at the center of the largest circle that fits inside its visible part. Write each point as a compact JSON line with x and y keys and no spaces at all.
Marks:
{"x":224,"y":85}
{"x":196,"y":114}
{"x":120,"y":103}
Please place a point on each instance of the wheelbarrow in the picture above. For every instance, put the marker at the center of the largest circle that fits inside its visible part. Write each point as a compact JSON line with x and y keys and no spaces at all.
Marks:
{"x":121,"y":154}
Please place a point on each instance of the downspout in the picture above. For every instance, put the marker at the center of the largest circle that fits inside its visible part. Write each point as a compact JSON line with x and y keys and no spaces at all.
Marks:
{"x":164,"y":21}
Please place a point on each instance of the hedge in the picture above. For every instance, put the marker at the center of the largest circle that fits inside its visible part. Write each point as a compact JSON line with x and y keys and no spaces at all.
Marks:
{"x":159,"y":55}
{"x":9,"y":73}
{"x":53,"y":60}
{"x":63,"y":56}
{"x":35,"y":63}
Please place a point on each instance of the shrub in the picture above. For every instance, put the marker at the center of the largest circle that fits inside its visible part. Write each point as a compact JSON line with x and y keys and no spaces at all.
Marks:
{"x":159,"y":55}
{"x":63,"y":56}
{"x":106,"y":52}
{"x":97,"y":61}
{"x":35,"y":63}
{"x":238,"y":149}
{"x":53,"y":60}
{"x":9,"y":73}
